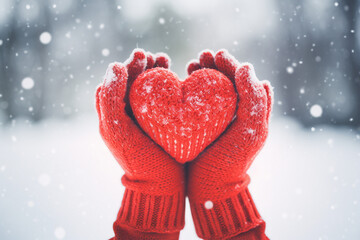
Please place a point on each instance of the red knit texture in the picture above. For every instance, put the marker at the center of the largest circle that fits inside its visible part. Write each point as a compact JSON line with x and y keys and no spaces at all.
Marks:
{"x":126,"y":233}
{"x":154,"y":200}
{"x":183,"y":117}
{"x":257,"y":233}
{"x":153,"y":203}
{"x":221,"y":204}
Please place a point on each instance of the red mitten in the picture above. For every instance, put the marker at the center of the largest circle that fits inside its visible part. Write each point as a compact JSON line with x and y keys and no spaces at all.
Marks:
{"x":221,"y":204}
{"x":154,"y":200}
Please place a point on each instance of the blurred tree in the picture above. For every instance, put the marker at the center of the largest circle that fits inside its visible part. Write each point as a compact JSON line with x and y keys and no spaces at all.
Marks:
{"x":352,"y":43}
{"x":315,"y":51}
{"x":23,"y":55}
{"x":9,"y":36}
{"x":56,"y":68}
{"x":315,"y":61}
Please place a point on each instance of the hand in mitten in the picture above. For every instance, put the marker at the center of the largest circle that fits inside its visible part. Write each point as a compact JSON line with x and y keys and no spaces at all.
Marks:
{"x":154,"y":199}
{"x":221,"y":204}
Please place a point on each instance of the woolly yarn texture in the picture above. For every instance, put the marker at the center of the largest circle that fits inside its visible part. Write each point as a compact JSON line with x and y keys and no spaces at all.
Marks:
{"x":183,"y":117}
{"x":142,"y":92}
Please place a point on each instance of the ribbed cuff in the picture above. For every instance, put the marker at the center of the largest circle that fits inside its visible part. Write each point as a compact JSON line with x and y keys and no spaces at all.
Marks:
{"x":151,"y":213}
{"x":225,"y":218}
{"x":257,"y":233}
{"x":126,"y":233}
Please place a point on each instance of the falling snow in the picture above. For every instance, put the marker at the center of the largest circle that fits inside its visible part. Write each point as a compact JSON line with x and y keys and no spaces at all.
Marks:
{"x":30,"y":204}
{"x":60,"y":233}
{"x":110,"y":75}
{"x":57,"y":174}
{"x":316,"y":111}
{"x":27,"y":83}
{"x":105,"y":52}
{"x":44,"y":179}
{"x":45,"y":38}
{"x":209,"y":204}
{"x":290,"y":70}
{"x":161,"y":21}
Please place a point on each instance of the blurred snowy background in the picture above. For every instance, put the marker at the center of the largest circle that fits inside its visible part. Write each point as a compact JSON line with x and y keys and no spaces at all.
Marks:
{"x":58,"y":180}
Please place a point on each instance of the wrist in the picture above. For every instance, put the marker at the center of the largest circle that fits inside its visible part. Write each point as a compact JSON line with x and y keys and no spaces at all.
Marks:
{"x":151,"y":213}
{"x":257,"y":233}
{"x":227,"y":217}
{"x":124,"y":232}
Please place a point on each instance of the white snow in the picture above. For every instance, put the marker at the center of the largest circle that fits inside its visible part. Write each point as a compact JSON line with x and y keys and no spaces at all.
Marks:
{"x":190,"y":62}
{"x":45,"y":38}
{"x":105,"y":52}
{"x":144,"y":108}
{"x":226,"y":55}
{"x":148,"y":88}
{"x":162,"y":54}
{"x":44,"y":179}
{"x":254,"y":81}
{"x":200,"y":53}
{"x":316,"y":111}
{"x":31,"y":204}
{"x":290,"y":70}
{"x":110,"y":75}
{"x":68,"y":35}
{"x":255,"y":109}
{"x":139,"y":61}
{"x":164,"y":121}
{"x":162,"y":21}
{"x":60,"y":233}
{"x":250,"y":131}
{"x":194,"y":100}
{"x":27,"y":83}
{"x":209,"y":204}
{"x":302,"y":181}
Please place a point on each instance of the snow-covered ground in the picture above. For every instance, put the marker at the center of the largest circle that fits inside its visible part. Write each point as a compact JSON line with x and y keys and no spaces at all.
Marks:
{"x":59,"y":181}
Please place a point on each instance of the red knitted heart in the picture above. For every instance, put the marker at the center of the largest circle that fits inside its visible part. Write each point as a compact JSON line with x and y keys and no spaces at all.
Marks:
{"x":183,"y":117}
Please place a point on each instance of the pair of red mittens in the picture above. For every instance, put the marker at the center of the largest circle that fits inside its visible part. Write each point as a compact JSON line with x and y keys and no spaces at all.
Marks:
{"x":221,"y":107}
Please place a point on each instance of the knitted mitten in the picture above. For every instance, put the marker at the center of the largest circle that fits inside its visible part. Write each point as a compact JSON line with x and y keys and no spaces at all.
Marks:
{"x":154,"y":200}
{"x":221,"y":204}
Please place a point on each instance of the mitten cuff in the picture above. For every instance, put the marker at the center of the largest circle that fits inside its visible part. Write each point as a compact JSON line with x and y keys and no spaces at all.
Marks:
{"x":225,"y":218}
{"x":257,"y":233}
{"x":126,"y":233}
{"x":151,"y":213}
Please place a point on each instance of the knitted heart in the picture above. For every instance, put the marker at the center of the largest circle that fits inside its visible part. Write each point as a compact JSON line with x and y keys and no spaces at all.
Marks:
{"x":183,"y":117}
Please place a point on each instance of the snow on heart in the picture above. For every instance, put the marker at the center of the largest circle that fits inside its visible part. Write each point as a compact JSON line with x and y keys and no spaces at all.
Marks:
{"x":183,"y":117}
